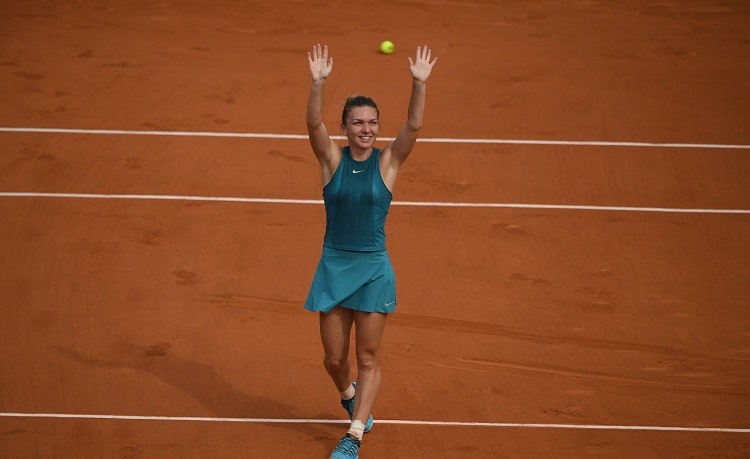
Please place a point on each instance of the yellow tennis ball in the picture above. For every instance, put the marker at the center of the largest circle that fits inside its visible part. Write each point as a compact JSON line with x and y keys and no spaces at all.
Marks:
{"x":386,"y":47}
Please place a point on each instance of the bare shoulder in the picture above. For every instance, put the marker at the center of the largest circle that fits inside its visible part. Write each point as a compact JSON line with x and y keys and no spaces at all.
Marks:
{"x":389,"y":166}
{"x":329,"y":160}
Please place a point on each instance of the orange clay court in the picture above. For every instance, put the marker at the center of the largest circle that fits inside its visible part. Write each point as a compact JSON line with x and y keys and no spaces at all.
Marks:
{"x":571,"y":236}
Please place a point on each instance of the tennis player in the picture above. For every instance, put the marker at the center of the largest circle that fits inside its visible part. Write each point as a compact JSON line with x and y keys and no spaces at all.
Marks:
{"x":354,"y":283}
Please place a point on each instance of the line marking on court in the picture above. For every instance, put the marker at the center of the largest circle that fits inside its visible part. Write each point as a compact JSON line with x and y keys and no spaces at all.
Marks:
{"x":253,"y":135}
{"x":167,"y":197}
{"x":380,"y":421}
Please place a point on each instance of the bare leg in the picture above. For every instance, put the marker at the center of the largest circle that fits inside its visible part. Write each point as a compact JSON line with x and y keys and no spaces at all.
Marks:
{"x":335,"y":332}
{"x":370,"y":327}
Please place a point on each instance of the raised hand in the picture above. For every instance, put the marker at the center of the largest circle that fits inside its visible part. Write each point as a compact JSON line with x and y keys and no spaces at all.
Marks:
{"x":421,"y":66}
{"x":320,"y":63}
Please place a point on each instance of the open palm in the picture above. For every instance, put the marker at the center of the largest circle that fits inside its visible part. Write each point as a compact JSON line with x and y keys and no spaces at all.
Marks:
{"x":320,"y":63}
{"x":421,"y":66}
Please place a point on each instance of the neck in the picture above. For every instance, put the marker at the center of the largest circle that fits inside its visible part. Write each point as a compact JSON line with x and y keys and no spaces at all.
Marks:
{"x":360,"y":154}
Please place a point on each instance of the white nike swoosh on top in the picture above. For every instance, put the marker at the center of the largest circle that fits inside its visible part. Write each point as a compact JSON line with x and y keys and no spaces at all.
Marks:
{"x":355,"y":171}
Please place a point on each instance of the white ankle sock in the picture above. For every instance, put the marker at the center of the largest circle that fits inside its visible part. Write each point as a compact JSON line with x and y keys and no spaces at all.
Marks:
{"x":348,"y":393}
{"x":357,"y":429}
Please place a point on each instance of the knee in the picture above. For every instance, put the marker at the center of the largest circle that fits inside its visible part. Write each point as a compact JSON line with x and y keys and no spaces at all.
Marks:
{"x":334,"y":363}
{"x":367,"y":361}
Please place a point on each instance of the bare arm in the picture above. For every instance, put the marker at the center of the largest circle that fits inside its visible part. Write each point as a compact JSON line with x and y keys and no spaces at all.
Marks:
{"x":420,"y":69}
{"x":396,"y":153}
{"x":325,"y":149}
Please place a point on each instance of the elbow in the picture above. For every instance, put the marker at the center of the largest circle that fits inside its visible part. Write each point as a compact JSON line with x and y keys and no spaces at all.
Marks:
{"x":414,"y":120}
{"x":313,"y":123}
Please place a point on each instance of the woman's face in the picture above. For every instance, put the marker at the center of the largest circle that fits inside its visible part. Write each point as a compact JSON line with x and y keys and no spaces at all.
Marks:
{"x":362,"y":126}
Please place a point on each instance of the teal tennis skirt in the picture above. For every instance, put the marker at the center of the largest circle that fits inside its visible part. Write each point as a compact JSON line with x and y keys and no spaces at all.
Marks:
{"x":363,"y":281}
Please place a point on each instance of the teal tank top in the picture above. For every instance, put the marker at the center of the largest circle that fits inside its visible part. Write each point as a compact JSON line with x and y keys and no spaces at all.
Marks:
{"x":356,"y":203}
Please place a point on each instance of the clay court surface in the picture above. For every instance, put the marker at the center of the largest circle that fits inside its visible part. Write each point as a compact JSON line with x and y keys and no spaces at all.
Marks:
{"x":570,"y":237}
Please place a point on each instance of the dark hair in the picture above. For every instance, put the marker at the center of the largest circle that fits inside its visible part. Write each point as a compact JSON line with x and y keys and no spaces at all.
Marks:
{"x":357,"y":101}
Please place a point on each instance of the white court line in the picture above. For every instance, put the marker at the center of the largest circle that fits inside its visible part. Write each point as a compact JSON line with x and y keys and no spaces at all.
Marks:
{"x":379,"y":421}
{"x":404,"y":203}
{"x":594,"y":143}
{"x":163,"y":197}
